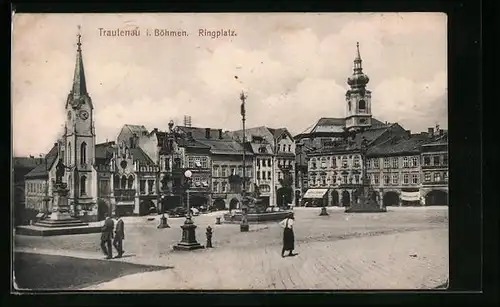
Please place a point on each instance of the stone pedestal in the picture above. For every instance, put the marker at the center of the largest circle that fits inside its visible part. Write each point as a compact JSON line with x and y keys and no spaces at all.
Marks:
{"x":188,"y":241}
{"x":323,"y":211}
{"x":60,"y":216}
{"x":365,"y":203}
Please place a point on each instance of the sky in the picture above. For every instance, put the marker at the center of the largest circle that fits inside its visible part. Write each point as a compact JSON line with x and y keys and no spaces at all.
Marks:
{"x":293,"y":67}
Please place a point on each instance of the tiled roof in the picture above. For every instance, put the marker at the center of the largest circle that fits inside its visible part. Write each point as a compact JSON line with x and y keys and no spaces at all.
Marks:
{"x":226,"y":147}
{"x":256,"y":148}
{"x":27,"y":162}
{"x":332,"y":124}
{"x":137,"y":129}
{"x":140,"y":156}
{"x":40,"y":171}
{"x":399,"y":146}
{"x":441,"y":140}
{"x":104,"y":152}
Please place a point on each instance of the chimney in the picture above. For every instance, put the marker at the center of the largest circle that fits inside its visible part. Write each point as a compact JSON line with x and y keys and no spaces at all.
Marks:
{"x":430,"y":131}
{"x":220,"y":134}
{"x":56,"y":144}
{"x":207,"y":133}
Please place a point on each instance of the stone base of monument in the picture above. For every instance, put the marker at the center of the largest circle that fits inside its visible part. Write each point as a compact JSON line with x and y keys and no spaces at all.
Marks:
{"x":188,"y":241}
{"x":256,"y":217}
{"x":365,"y":206}
{"x":58,"y":229}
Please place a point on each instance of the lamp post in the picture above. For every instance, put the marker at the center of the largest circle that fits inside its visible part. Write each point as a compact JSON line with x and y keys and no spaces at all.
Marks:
{"x":244,"y":219}
{"x":188,"y":241}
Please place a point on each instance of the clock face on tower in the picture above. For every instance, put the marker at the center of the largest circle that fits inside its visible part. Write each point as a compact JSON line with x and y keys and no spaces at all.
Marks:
{"x":83,"y":114}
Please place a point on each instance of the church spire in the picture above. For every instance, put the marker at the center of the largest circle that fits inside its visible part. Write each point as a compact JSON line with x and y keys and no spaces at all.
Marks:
{"x":358,"y":78}
{"x":79,"y":84}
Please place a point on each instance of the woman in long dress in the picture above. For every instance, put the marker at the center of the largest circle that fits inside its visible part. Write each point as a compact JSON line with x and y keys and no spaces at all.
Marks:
{"x":288,"y":235}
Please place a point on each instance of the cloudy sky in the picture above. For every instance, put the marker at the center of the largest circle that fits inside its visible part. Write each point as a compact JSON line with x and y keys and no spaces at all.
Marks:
{"x":293,"y":66}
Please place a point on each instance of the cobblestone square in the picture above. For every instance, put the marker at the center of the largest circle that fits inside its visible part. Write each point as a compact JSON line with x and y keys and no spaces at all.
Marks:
{"x":405,"y":248}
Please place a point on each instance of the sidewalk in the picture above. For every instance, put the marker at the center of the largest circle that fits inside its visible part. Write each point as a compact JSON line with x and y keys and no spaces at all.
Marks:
{"x":410,"y":260}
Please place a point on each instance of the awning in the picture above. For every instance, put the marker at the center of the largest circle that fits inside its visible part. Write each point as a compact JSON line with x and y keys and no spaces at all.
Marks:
{"x":315,"y":193}
{"x":410,"y":196}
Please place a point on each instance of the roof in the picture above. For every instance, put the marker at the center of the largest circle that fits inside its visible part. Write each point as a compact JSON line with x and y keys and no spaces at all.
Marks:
{"x":140,"y":156}
{"x":26,"y":162}
{"x":137,"y":129}
{"x":40,"y":171}
{"x":201,"y":133}
{"x":104,"y":152}
{"x":226,"y":147}
{"x":441,"y":140}
{"x":336,"y":125}
{"x":261,"y":149}
{"x":399,"y":146}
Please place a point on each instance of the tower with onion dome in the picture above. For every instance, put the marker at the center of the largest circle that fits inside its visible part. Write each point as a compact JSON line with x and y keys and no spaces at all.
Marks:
{"x":358,"y":98}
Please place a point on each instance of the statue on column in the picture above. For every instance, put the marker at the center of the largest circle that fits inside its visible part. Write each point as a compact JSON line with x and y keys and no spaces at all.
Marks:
{"x":59,"y":171}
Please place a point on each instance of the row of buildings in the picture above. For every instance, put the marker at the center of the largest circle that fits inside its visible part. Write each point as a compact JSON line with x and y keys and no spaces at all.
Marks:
{"x":323,"y":166}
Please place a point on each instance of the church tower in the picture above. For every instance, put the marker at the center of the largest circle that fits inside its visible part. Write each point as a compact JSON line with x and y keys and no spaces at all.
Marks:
{"x":78,"y":152}
{"x":358,"y":98}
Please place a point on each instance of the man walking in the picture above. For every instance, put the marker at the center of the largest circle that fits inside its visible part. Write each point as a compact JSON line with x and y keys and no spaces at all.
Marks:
{"x":106,"y":236}
{"x":119,"y":236}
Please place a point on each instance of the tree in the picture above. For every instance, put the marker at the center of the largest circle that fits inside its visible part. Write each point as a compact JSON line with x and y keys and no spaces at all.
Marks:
{"x":285,"y":193}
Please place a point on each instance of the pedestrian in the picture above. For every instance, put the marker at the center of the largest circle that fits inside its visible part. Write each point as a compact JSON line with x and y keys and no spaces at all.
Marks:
{"x":119,"y":235}
{"x":106,"y":236}
{"x":288,"y":235}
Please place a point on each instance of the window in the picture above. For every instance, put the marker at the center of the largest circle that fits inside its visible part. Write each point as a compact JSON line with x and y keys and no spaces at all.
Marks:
{"x":436,"y":160}
{"x":351,"y":179}
{"x":427,"y":160}
{"x":83,"y":185}
{"x":216,"y":171}
{"x":204,"y":162}
{"x":83,"y":153}
{"x":414,"y":178}
{"x":395,"y":162}
{"x":356,"y":179}
{"x":223,"y":171}
{"x":387,"y":179}
{"x":376,"y":163}
{"x":362,"y":106}
{"x":323,"y":163}
{"x":387,"y":163}
{"x":445,"y":159}
{"x":414,"y":161}
{"x":356,"y":161}
{"x":406,"y":162}
{"x":240,"y":171}
{"x":344,"y":178}
{"x":69,"y":153}
{"x":264,"y":175}
{"x":344,"y":161}
{"x":224,"y":187}
{"x":445,"y":176}
{"x":395,"y":178}
{"x":349,"y":105}
{"x":279,"y":147}
{"x":406,"y":178}
{"x":249,"y":172}
{"x":269,"y":162}
{"x":427,"y":176}
{"x":142,"y":186}
{"x":313,"y":163}
{"x":123,"y":184}
{"x":289,"y":148}
{"x":334,"y":179}
{"x":151,"y":186}
{"x":130,"y":182}
{"x":376,"y":178}
{"x":269,"y":175}
{"x":437,"y":177}
{"x":334,"y":162}
{"x":323,"y":180}
{"x":215,"y":187}
{"x":279,"y":175}
{"x":232,"y":171}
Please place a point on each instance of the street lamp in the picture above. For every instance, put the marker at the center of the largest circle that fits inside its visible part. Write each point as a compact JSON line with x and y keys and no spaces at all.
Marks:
{"x":188,"y":241}
{"x":244,"y":219}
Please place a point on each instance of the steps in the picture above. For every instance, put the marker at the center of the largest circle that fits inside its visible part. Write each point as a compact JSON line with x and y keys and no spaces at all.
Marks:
{"x":72,"y":222}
